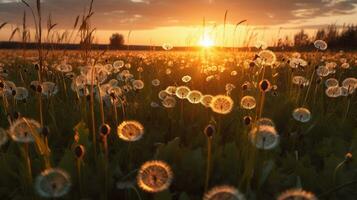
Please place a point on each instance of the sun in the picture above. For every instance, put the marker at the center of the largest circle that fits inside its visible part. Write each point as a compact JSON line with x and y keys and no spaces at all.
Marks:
{"x":206,"y":41}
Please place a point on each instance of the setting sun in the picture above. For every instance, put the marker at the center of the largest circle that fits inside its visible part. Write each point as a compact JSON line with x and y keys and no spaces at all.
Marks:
{"x":206,"y":41}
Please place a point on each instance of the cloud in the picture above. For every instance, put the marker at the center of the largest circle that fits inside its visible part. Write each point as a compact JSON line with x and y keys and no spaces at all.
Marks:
{"x":145,"y":14}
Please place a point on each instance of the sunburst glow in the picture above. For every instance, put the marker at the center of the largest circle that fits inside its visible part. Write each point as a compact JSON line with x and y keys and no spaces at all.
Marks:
{"x":206,"y":41}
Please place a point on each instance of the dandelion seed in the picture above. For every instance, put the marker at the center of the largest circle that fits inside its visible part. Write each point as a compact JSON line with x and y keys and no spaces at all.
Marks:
{"x":322,"y":71}
{"x":300,"y":81}
{"x":163,"y":94}
{"x":154,"y":176}
{"x":206,"y":100}
{"x":320,"y":44}
{"x":234,"y":73}
{"x":268,"y":57}
{"x":345,"y":66}
{"x":331,"y":82}
{"x":248,"y":102}
{"x":182,"y":92}
{"x":155,"y":82}
{"x":53,"y":183}
{"x":130,"y":131}
{"x":169,"y":102}
{"x":64,"y":68}
{"x":118,"y":64}
{"x":167,"y":47}
{"x":186,"y":79}
{"x":49,"y":89}
{"x":296,"y":194}
{"x":21,"y":130}
{"x":302,"y":114}
{"x":194,"y":96}
{"x":222,"y":104}
{"x":138,"y":84}
{"x":264,"y":137}
{"x":333,"y":92}
{"x":21,"y":93}
{"x":350,"y":84}
{"x":171,"y":90}
{"x":223,"y":192}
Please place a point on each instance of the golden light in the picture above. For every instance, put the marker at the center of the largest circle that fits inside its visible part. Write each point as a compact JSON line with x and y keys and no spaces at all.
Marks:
{"x":206,"y":41}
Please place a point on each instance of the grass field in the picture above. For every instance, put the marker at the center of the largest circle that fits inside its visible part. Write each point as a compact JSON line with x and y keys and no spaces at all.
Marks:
{"x":173,"y":125}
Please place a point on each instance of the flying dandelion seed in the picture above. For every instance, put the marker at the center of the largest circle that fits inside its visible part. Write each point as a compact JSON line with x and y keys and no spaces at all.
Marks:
{"x":21,"y":130}
{"x":154,"y":176}
{"x":296,"y":194}
{"x":223,"y":192}
{"x":53,"y":183}
{"x":222,"y":104}
{"x":302,"y":115}
{"x":248,"y":102}
{"x":130,"y":131}
{"x":320,"y":44}
{"x":194,"y":96}
{"x":264,"y":137}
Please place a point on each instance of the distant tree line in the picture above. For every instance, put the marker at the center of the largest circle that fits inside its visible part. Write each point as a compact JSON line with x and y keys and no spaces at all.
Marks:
{"x":344,"y":37}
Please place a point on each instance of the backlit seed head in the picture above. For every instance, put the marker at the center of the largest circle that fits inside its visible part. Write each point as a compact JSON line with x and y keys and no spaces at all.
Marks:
{"x":22,"y":129}
{"x":247,"y":120}
{"x":222,"y":104}
{"x":248,"y":102}
{"x":348,"y":156}
{"x":264,"y":85}
{"x":302,"y":114}
{"x":79,"y":151}
{"x":154,"y":176}
{"x":210,"y":130}
{"x":130,"y":131}
{"x":104,"y":129}
{"x":52,"y":183}
{"x":297,"y":194}
{"x":223,"y":192}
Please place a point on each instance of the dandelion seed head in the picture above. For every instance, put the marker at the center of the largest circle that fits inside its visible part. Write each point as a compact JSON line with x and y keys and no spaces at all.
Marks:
{"x":154,"y":176}
{"x":130,"y":130}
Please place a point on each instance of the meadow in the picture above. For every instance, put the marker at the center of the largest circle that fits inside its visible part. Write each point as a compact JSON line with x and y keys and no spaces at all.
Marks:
{"x":174,"y":125}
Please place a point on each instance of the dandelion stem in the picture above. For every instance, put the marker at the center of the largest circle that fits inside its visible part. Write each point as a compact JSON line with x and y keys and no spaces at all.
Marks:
{"x":208,"y":167}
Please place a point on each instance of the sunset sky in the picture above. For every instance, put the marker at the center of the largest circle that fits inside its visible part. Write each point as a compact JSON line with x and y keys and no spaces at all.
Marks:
{"x":179,"y":22}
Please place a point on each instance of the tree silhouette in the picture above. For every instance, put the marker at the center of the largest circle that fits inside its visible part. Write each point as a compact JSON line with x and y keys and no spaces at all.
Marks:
{"x":116,"y":40}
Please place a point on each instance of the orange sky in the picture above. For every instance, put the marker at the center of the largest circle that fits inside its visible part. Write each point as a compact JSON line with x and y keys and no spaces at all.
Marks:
{"x":179,"y":22}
